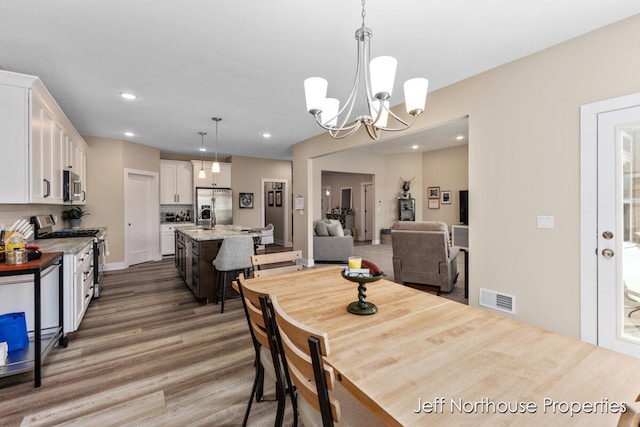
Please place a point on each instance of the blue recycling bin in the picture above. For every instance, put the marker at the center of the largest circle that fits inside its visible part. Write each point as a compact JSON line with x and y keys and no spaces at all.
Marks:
{"x":13,"y":331}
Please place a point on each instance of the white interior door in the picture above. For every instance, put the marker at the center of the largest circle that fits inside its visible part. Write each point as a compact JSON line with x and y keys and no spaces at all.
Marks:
{"x":618,"y":230}
{"x":141,"y":220}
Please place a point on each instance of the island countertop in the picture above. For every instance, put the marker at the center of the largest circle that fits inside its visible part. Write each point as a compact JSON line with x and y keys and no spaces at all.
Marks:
{"x":219,"y":232}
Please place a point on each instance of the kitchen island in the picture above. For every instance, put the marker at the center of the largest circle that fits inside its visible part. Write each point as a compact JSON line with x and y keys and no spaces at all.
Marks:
{"x":195,"y":250}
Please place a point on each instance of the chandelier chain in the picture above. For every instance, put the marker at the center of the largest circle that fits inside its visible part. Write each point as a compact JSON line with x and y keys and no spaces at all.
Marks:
{"x":364,"y":13}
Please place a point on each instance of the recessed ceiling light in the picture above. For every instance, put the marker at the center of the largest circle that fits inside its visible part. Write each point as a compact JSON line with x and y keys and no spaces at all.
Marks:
{"x":128,"y":96}
{"x":202,"y":149}
{"x":459,"y":137}
{"x":266,"y":135}
{"x":415,"y":147}
{"x":129,"y":134}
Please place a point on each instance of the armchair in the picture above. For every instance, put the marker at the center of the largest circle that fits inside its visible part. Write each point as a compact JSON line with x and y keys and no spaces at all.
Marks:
{"x":422,"y":254}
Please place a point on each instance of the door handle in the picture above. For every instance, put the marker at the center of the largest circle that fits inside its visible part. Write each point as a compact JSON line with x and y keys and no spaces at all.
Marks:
{"x":608,"y":253}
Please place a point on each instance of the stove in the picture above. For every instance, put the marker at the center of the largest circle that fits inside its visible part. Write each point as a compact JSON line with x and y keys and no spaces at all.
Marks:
{"x":62,"y":234}
{"x":43,"y":227}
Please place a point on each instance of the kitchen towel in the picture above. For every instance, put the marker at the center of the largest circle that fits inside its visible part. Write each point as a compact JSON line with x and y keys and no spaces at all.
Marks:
{"x":4,"y":350}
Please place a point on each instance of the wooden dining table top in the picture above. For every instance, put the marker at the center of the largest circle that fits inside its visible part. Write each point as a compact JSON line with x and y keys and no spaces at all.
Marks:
{"x":425,"y":360}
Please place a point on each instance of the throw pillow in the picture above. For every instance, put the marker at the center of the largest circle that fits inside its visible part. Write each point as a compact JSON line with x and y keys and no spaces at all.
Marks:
{"x":321,"y":228}
{"x":335,"y":229}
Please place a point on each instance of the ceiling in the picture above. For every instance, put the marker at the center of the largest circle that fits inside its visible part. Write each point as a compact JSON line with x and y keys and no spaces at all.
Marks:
{"x":245,"y":60}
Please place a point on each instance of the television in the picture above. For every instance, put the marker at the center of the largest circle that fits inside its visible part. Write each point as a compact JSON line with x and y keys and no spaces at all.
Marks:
{"x":464,"y":207}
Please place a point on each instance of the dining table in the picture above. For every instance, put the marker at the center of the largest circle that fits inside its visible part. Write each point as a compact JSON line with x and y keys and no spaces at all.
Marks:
{"x":425,"y":360}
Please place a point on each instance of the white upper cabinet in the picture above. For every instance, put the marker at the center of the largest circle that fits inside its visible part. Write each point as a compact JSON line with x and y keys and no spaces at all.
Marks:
{"x":219,"y":180}
{"x":33,"y":134}
{"x":176,"y":185}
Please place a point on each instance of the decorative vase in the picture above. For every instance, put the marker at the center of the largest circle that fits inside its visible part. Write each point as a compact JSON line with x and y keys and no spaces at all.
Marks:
{"x":75,"y":222}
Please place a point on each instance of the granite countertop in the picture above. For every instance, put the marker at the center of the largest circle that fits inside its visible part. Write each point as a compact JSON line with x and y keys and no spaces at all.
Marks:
{"x":200,"y":234}
{"x":70,"y":245}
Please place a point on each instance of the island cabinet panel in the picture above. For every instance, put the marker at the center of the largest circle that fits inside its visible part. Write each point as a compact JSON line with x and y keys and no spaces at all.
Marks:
{"x":194,"y":261}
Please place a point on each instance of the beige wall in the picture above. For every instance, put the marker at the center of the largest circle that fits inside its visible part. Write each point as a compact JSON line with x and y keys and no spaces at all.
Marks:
{"x":524,"y":141}
{"x":449,"y":170}
{"x":247,"y":174}
{"x":106,"y":162}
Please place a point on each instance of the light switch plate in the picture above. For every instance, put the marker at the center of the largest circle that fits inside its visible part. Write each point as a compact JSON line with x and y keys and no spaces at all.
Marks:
{"x":545,"y":221}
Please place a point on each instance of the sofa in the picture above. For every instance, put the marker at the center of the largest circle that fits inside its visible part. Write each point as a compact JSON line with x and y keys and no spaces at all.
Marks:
{"x":423,"y":255}
{"x":331,"y":242}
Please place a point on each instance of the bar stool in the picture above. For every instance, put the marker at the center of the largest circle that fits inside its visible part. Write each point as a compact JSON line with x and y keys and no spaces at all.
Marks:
{"x":234,"y":256}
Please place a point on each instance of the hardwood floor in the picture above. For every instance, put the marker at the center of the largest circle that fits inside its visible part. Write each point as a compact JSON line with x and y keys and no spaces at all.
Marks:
{"x":147,"y":353}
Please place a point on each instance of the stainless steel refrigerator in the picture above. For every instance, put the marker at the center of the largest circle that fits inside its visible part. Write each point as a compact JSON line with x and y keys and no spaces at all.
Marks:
{"x":214,"y":203}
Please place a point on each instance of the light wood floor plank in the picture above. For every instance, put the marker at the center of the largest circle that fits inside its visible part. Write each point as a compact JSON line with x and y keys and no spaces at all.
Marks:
{"x":147,"y":353}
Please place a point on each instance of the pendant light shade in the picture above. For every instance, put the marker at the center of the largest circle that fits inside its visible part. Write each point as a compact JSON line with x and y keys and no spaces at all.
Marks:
{"x":415,"y":94}
{"x":215,"y":167}
{"x":383,"y":73}
{"x":315,"y":90}
{"x":202,"y":174}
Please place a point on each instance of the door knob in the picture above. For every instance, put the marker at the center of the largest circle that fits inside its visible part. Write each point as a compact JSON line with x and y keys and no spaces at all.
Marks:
{"x":608,"y":253}
{"x":607,"y":235}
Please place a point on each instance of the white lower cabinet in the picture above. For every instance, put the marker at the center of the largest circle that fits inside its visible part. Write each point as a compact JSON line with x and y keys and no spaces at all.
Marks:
{"x":78,"y":286}
{"x":167,"y":237}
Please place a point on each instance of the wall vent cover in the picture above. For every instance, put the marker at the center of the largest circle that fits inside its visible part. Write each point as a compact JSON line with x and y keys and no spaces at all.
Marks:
{"x":498,"y":300}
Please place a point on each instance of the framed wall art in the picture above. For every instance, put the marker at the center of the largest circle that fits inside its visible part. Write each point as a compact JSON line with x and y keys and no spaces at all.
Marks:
{"x":278,"y":198}
{"x":434,"y":192}
{"x":246,"y":200}
{"x":445,"y":197}
{"x":434,"y":203}
{"x":270,"y":198}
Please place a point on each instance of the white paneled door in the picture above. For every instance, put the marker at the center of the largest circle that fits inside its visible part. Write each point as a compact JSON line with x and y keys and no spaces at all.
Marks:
{"x":611,"y":228}
{"x":141,"y":218}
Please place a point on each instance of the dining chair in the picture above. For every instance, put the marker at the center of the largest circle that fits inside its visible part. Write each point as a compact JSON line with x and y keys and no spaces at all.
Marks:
{"x":324,"y":401}
{"x":631,"y":417}
{"x":276,"y":263}
{"x":234,"y":256}
{"x":268,"y":361}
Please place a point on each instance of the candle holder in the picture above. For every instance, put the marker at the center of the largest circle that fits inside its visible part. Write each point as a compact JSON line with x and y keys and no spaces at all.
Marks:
{"x":362,"y":307}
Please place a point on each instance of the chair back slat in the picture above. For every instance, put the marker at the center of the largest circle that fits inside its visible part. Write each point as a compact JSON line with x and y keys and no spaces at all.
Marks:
{"x":295,"y":338}
{"x":276,"y":263}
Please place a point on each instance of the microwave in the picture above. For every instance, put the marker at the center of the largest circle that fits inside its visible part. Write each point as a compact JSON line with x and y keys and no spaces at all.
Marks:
{"x":71,"y":187}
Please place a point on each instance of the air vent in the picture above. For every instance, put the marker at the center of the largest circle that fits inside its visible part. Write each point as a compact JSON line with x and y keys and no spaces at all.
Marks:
{"x":498,"y":301}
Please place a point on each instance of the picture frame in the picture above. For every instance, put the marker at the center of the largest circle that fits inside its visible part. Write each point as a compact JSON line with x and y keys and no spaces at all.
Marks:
{"x":434,"y":203}
{"x":274,"y":185}
{"x":433,"y":192}
{"x":270,"y":198}
{"x":278,"y":198}
{"x":445,"y":197}
{"x":246,"y":200}
{"x":279,"y":187}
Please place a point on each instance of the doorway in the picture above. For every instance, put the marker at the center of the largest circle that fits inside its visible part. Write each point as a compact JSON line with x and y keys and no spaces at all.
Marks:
{"x":142,"y":217}
{"x":275,"y":205}
{"x":610,"y":223}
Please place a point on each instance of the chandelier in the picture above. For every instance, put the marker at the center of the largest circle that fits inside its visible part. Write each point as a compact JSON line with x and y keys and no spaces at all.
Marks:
{"x":215,"y":166}
{"x":378,"y":75}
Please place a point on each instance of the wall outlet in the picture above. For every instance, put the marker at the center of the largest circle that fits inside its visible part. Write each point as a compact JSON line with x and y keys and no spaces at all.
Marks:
{"x":545,"y":221}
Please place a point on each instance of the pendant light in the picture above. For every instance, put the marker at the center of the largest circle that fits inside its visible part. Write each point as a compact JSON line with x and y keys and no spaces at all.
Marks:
{"x":215,"y":167}
{"x":202,"y":174}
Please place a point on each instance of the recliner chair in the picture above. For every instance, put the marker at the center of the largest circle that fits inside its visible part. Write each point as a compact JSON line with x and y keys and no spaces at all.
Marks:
{"x":423,"y":255}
